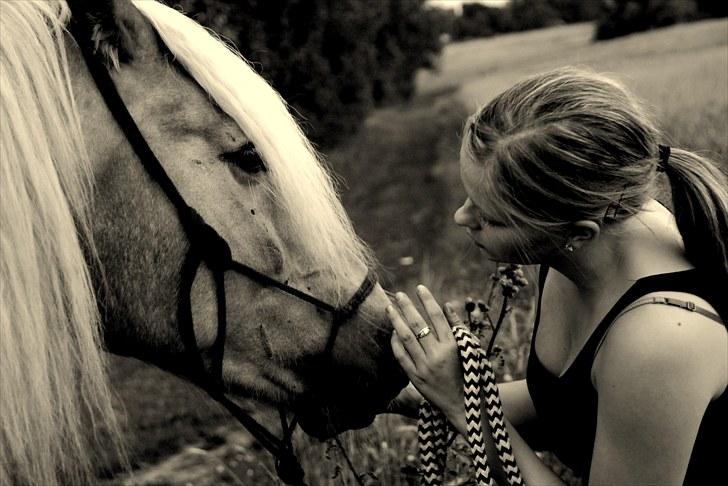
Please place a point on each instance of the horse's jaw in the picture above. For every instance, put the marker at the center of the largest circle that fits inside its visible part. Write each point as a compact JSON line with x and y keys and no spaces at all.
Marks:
{"x":323,"y":416}
{"x":325,"y":422}
{"x":322,"y":430}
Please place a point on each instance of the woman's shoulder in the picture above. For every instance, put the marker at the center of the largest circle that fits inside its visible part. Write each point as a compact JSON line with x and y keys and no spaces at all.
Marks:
{"x":655,"y":375}
{"x":667,"y":345}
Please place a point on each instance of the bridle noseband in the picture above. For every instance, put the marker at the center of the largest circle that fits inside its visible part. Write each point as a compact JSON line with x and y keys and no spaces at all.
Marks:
{"x":207,"y":246}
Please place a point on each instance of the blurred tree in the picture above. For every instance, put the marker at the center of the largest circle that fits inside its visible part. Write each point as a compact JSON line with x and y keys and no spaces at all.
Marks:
{"x":622,"y":17}
{"x":478,"y":20}
{"x":533,"y":14}
{"x":408,"y":39}
{"x":713,"y":8}
{"x":332,"y":60}
{"x":572,"y":11}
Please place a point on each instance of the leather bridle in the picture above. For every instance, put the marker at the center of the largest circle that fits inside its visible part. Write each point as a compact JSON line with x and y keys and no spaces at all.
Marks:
{"x":207,"y":246}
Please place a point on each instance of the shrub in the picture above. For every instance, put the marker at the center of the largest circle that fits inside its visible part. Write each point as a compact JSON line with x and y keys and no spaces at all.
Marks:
{"x":478,"y":20}
{"x":332,"y":60}
{"x":622,"y":17}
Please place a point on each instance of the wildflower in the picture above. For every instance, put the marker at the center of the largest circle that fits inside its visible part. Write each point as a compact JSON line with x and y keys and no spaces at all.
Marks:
{"x":477,"y":313}
{"x":511,"y":279}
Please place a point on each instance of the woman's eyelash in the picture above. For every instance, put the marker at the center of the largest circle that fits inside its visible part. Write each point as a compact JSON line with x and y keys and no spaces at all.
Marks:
{"x":488,"y":222}
{"x":245,"y":158}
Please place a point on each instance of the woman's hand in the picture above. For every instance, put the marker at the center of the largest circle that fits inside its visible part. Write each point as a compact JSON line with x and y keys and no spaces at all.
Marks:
{"x":431,"y":362}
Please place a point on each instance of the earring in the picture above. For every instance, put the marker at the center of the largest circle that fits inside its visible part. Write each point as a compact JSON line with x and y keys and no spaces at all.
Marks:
{"x":569,"y":247}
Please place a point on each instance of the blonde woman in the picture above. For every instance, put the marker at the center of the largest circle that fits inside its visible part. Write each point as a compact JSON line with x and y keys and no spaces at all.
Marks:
{"x":628,"y":366}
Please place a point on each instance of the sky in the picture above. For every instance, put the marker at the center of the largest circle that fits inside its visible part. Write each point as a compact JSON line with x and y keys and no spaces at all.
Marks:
{"x":457,"y":4}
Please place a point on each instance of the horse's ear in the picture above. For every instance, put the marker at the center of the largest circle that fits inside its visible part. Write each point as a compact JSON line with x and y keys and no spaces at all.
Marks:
{"x":115,"y":29}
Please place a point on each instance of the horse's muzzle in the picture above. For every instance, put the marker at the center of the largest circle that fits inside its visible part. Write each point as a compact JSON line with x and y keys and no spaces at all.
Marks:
{"x":350,"y":406}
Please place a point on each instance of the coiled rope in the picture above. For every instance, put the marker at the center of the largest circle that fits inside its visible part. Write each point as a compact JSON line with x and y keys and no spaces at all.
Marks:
{"x":435,"y":433}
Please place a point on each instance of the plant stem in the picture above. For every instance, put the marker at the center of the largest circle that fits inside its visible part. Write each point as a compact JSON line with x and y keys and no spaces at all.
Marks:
{"x":493,"y":289}
{"x":348,"y":462}
{"x":501,"y":318}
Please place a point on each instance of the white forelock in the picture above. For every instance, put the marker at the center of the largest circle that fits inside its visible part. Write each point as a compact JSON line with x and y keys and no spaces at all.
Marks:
{"x":301,"y":184}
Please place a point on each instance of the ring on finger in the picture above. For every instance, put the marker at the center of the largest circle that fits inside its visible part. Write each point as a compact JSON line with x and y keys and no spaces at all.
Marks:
{"x":423,"y":332}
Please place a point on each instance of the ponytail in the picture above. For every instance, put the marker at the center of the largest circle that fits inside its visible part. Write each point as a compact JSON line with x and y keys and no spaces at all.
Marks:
{"x":700,"y":202}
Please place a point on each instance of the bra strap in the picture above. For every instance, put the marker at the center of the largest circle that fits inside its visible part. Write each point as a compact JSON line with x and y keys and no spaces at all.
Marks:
{"x":687,"y":305}
{"x":683,"y":304}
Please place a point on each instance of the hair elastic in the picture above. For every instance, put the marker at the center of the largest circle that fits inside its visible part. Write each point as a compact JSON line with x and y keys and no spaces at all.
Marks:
{"x":613,"y":209}
{"x":664,"y":154}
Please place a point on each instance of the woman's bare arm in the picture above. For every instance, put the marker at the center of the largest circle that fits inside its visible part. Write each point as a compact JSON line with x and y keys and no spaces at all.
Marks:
{"x":656,"y":372}
{"x":517,"y":405}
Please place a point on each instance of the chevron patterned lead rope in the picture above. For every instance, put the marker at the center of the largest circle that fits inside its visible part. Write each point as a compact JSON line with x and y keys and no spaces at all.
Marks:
{"x":435,"y":434}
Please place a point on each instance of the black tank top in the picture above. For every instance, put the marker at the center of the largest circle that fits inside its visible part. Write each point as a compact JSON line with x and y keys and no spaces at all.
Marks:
{"x":567,"y":405}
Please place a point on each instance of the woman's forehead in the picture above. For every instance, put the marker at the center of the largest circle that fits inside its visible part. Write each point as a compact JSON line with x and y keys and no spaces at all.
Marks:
{"x":477,"y":187}
{"x":472,"y":175}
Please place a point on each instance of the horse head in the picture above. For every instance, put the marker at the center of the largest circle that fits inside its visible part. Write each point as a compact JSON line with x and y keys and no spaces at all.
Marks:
{"x":236,"y":156}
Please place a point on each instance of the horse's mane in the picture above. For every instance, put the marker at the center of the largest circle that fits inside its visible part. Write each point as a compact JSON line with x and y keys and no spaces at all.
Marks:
{"x":301,"y":184}
{"x":53,"y":379}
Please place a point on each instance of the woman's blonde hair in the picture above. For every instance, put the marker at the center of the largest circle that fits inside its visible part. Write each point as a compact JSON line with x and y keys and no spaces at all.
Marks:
{"x":571,"y":144}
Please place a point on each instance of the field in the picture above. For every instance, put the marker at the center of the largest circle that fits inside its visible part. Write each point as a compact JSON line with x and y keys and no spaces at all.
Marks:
{"x":401,"y":188}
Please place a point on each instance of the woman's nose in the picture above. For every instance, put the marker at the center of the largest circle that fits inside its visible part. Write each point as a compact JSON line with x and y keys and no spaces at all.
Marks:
{"x":464,"y":216}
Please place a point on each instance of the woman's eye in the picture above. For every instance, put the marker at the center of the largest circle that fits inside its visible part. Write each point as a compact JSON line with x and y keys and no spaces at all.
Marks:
{"x":245,"y":158}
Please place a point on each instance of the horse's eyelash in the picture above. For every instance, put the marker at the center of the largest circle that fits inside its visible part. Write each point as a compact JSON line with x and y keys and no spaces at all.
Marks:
{"x":246,"y":158}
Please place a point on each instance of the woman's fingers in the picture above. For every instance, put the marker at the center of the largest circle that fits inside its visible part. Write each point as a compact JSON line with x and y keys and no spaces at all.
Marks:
{"x":410,"y":313}
{"x":416,"y":322}
{"x":439,"y":322}
{"x":403,"y":357}
{"x":405,"y":337}
{"x":452,"y":316}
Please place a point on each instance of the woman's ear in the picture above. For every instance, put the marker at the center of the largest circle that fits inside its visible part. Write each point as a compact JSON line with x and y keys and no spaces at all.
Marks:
{"x":583,"y":232}
{"x":115,"y":29}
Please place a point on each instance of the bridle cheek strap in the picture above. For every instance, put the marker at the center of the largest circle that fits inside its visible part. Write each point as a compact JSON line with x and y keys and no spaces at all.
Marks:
{"x":343,"y":314}
{"x":210,"y":378}
{"x":206,"y":245}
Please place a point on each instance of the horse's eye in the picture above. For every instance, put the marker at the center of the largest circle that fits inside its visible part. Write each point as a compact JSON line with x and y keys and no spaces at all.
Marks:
{"x":245,"y":158}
